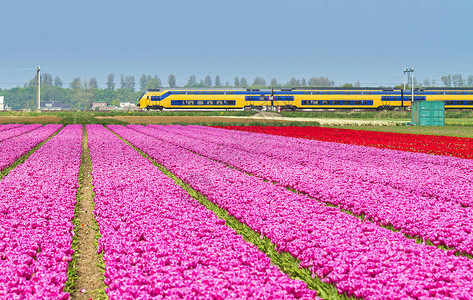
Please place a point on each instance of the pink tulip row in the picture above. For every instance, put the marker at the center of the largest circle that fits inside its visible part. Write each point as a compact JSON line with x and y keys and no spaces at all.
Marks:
{"x":36,"y":212}
{"x":4,"y":135}
{"x":13,"y":148}
{"x":9,"y":126}
{"x":442,"y":222}
{"x":360,"y":259}
{"x":443,"y":178}
{"x":159,"y":242}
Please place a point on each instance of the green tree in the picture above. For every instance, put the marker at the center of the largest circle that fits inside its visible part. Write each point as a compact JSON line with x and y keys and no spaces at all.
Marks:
{"x":292,"y":82}
{"x":321,"y":82}
{"x":57,"y":82}
{"x":93,"y":83}
{"x":447,"y":80}
{"x":144,"y":80}
{"x":243,"y":82}
{"x":153,"y":83}
{"x":46,"y":79}
{"x":236,"y":81}
{"x":208,"y":81}
{"x":259,"y":81}
{"x":110,"y":81}
{"x":457,"y":80}
{"x":192,"y":81}
{"x":172,"y":81}
{"x":130,"y":83}
{"x":122,"y":82}
{"x":76,"y":83}
{"x":274,"y":82}
{"x":470,"y":80}
{"x":217,"y":81}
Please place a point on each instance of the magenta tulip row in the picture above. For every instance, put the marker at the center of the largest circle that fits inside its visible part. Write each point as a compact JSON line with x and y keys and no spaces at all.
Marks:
{"x":4,"y":135}
{"x":36,"y":212}
{"x":442,"y":222}
{"x":361,"y":259}
{"x":9,"y":126}
{"x":159,"y":242}
{"x":15,"y":147}
{"x":443,"y":178}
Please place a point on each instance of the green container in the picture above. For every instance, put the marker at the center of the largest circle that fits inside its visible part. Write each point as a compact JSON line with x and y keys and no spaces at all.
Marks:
{"x":428,"y":113}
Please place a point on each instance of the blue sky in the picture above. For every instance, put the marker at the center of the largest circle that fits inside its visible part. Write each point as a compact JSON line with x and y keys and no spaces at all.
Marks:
{"x":345,"y":40}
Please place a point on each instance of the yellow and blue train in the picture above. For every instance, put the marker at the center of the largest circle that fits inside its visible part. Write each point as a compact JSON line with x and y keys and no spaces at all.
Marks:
{"x":301,"y":98}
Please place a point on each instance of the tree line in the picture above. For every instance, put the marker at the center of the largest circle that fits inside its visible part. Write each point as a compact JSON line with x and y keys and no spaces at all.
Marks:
{"x":80,"y":93}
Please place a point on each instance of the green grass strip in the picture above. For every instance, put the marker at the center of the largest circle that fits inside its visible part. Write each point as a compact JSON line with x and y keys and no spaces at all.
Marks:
{"x":285,"y":261}
{"x":24,"y":157}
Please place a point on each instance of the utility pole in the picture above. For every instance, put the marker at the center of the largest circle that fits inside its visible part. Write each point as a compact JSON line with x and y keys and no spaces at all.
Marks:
{"x":38,"y":86}
{"x":409,"y":71}
{"x":404,"y":85}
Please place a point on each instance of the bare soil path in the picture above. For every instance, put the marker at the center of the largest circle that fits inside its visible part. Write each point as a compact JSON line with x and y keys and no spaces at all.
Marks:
{"x":89,"y":283}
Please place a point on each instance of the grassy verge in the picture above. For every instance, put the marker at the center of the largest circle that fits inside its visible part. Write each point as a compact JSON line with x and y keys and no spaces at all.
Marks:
{"x":237,"y":113}
{"x":285,"y":261}
{"x":351,"y":114}
{"x":251,"y":123}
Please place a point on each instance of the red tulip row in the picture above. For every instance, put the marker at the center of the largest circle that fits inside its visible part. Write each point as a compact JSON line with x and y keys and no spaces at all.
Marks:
{"x":431,"y":144}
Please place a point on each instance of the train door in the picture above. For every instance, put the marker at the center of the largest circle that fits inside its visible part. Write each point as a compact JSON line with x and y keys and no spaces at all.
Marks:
{"x":384,"y":101}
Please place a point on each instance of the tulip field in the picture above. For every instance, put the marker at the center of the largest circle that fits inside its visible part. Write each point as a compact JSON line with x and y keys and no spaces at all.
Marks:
{"x":199,"y":212}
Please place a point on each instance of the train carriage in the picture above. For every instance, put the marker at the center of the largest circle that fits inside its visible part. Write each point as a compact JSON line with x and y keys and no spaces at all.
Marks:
{"x":301,"y":98}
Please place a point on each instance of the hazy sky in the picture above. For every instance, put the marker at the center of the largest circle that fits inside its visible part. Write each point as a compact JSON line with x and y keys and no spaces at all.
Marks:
{"x":346,"y":40}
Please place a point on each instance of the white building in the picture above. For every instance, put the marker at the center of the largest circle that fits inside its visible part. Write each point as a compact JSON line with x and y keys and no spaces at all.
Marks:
{"x":127,"y":105}
{"x":2,"y":104}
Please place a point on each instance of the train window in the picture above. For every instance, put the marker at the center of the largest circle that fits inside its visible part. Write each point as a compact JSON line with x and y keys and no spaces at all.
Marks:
{"x":345,"y":102}
{"x":200,"y":102}
{"x":336,"y":102}
{"x":315,"y":102}
{"x":229,"y":93}
{"x":190,"y":102}
{"x":219,"y":102}
{"x":356,"y":102}
{"x":468,"y":102}
{"x":325,"y":102}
